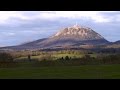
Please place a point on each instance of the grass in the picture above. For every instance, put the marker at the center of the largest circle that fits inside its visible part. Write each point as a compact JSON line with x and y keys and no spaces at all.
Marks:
{"x":57,"y":56}
{"x":62,"y":72}
{"x":64,"y":55}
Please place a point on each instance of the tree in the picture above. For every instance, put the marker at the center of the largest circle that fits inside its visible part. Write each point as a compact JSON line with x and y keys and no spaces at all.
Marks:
{"x":6,"y":57}
{"x":62,"y":58}
{"x":87,"y":56}
{"x":47,"y":56}
{"x":66,"y":58}
{"x":29,"y":57}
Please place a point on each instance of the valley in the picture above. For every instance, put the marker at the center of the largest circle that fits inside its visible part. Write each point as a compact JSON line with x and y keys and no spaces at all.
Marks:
{"x":74,"y":52}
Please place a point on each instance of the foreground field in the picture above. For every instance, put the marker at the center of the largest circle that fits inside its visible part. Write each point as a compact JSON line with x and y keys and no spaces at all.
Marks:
{"x":62,"y":72}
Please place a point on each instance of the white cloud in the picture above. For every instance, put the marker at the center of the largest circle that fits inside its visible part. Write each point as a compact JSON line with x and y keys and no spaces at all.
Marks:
{"x":5,"y":15}
{"x":11,"y":34}
{"x":94,"y":15}
{"x":7,"y":34}
{"x":17,"y":26}
{"x":52,"y":15}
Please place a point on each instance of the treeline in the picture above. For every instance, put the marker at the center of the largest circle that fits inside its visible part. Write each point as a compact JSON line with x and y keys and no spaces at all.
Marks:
{"x":109,"y":50}
{"x":7,"y":60}
{"x":86,"y":60}
{"x":38,"y":52}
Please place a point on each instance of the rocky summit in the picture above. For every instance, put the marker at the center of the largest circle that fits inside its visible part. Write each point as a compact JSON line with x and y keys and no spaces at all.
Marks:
{"x":75,"y":35}
{"x":81,"y":33}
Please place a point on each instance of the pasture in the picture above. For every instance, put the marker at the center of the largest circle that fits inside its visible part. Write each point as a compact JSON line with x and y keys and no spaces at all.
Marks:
{"x":54,"y":56}
{"x":62,"y":72}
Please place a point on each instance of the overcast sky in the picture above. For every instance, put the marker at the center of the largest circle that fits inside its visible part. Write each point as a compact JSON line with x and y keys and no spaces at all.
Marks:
{"x":18,"y":27}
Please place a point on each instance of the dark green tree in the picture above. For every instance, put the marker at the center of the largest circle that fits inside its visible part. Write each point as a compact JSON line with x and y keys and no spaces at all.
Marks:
{"x":67,"y":58}
{"x":6,"y":57}
{"x":29,"y":57}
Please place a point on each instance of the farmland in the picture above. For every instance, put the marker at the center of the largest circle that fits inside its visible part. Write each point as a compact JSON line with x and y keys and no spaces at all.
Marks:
{"x":59,"y":65}
{"x":62,"y":72}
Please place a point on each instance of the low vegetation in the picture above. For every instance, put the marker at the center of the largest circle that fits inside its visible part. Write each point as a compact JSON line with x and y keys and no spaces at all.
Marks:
{"x":6,"y":60}
{"x":59,"y":58}
{"x":59,"y":64}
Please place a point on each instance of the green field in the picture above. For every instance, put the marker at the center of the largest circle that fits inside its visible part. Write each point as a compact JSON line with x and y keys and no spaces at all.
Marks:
{"x":62,"y":72}
{"x":57,"y":56}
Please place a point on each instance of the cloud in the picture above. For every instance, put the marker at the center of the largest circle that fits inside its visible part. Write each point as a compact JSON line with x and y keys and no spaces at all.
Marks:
{"x":11,"y":34}
{"x":94,"y":15}
{"x":7,"y":34}
{"x":51,"y":15}
{"x":19,"y":26}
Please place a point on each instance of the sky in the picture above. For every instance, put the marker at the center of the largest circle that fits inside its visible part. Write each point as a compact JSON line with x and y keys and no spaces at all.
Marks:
{"x":18,"y":27}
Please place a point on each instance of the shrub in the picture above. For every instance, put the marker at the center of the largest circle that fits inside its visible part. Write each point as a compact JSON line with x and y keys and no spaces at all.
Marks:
{"x":67,"y":58}
{"x":6,"y":57}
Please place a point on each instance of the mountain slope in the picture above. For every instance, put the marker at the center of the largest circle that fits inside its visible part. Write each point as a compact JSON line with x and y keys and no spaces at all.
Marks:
{"x":74,"y":35}
{"x":29,"y":45}
{"x":117,"y":42}
{"x":70,"y":36}
{"x":113,"y":45}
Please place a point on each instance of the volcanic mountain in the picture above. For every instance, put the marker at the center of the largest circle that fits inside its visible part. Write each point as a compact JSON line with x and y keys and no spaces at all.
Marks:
{"x":117,"y":42}
{"x":73,"y":36}
{"x":70,"y":36}
{"x":113,"y":45}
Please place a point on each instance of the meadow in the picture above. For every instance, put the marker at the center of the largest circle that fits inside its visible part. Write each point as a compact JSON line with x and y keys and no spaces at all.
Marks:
{"x":55,"y":56}
{"x":57,"y":65}
{"x":62,"y":72}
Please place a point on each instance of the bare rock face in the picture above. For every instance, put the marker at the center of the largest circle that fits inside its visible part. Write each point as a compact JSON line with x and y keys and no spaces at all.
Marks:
{"x":75,"y":35}
{"x":77,"y":32}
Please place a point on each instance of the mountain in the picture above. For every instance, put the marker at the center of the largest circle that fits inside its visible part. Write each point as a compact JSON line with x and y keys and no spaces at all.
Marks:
{"x":117,"y":42}
{"x":113,"y":45}
{"x":29,"y":45}
{"x":73,"y":36}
